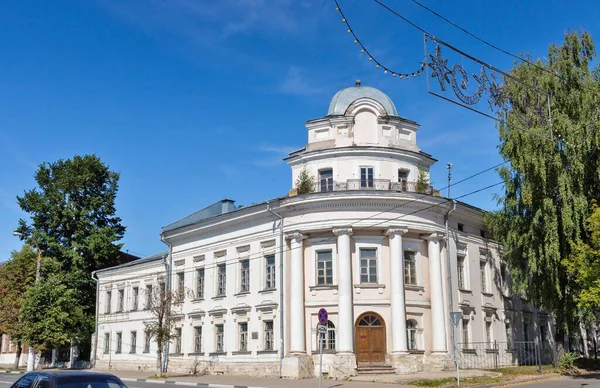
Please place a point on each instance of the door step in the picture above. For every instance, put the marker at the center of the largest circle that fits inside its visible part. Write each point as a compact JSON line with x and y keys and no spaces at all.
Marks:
{"x":375,"y":370}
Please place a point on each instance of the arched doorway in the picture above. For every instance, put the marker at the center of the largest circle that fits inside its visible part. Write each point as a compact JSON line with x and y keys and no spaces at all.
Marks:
{"x":370,"y":339}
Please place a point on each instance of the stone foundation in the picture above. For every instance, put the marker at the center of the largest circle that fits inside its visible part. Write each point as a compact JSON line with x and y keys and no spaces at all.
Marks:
{"x":298,"y":367}
{"x":344,"y":366}
{"x":408,"y":362}
{"x":436,"y":362}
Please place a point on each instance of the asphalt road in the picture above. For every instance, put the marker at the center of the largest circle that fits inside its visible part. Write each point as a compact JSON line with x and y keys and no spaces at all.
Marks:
{"x":8,"y":379}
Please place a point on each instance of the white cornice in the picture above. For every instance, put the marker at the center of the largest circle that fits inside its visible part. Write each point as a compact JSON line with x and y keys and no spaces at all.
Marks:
{"x":385,"y":153}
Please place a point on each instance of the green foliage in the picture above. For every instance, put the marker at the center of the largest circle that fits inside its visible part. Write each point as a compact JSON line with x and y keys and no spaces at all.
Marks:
{"x":549,"y":185}
{"x":583,"y":265}
{"x":305,"y":183}
{"x":432,"y":383}
{"x":51,"y":313}
{"x":567,"y":362}
{"x":73,"y":220}
{"x":422,"y":185}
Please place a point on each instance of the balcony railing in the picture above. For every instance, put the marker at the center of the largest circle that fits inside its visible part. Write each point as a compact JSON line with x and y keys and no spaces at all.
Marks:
{"x":377,"y":184}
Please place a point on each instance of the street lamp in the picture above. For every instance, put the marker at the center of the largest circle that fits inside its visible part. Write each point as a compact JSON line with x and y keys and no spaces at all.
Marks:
{"x":31,"y":356}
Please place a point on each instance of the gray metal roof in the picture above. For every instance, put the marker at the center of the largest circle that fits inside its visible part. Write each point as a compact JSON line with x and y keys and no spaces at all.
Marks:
{"x":216,"y":209}
{"x":342,"y":99}
{"x":147,"y":259}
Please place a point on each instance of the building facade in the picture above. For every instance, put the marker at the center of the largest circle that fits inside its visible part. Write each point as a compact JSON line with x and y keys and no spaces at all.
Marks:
{"x":369,"y":245}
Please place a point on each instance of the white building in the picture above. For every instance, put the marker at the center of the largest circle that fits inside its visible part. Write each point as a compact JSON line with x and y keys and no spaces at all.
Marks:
{"x":368,"y":245}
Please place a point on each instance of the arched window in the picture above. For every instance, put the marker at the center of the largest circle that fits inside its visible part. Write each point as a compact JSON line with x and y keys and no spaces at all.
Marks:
{"x":328,"y":339}
{"x":411,"y":334}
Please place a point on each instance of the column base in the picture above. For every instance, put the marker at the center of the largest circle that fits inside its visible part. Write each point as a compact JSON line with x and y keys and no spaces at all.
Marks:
{"x":298,"y":366}
{"x":405,"y":363}
{"x":438,"y":361}
{"x":344,"y":366}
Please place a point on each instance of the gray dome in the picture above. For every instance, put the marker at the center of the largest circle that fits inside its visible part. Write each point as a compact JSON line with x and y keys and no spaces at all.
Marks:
{"x":342,"y":99}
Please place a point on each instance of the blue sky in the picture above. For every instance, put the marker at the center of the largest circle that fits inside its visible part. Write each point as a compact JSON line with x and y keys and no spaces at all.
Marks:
{"x":194,"y":101}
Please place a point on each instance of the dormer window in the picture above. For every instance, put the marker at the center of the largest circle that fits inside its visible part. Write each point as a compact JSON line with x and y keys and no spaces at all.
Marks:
{"x":366,"y":177}
{"x":326,"y":180}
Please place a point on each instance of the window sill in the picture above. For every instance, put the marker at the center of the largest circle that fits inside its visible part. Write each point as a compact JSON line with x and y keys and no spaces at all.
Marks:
{"x":267,"y":290}
{"x":118,"y":352}
{"x":486,"y":293}
{"x":323,"y":287}
{"x":146,"y":352}
{"x":414,"y":287}
{"x":369,"y":285}
{"x":469,"y":351}
{"x":176,"y":354}
{"x":267,"y":352}
{"x":132,"y":352}
{"x":196,"y":354}
{"x":242,"y":293}
{"x":196,"y":300}
{"x":491,"y":350}
{"x":217,"y":354}
{"x":416,"y":351}
{"x":133,"y":310}
{"x":218,"y":297}
{"x":465,"y":291}
{"x":241,"y":352}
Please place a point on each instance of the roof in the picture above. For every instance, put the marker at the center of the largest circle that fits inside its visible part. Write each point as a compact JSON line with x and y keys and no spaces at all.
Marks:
{"x":72,"y":373}
{"x":342,"y":99}
{"x":147,"y":259}
{"x":223,"y":206}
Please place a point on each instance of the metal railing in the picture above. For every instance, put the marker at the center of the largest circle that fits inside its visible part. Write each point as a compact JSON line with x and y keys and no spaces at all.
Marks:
{"x":494,"y":355}
{"x":374,"y":184}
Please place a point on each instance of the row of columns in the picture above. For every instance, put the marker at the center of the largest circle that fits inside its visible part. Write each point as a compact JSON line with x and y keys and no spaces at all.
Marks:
{"x":345,"y":332}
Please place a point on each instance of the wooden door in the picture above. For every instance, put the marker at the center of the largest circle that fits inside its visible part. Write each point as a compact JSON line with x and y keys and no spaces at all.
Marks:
{"x":370,"y":340}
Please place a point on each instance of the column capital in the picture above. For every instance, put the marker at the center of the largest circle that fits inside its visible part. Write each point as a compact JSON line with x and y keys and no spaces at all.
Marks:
{"x":435,"y":236}
{"x":396,"y":231}
{"x":295,"y":235}
{"x":342,"y":231}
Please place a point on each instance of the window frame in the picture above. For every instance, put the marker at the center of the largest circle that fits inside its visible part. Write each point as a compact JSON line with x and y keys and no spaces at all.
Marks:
{"x":221,"y":280}
{"x":483,"y":274}
{"x":120,"y":300}
{"x":412,"y":332}
{"x":119,"y":342}
{"x":465,"y":331}
{"x":270,"y":272}
{"x":244,"y":276}
{"x":220,"y":338}
{"x":147,"y":341}
{"x":108,"y":302}
{"x":414,"y":266}
{"x":461,"y":263}
{"x":329,"y":339}
{"x":180,"y":292}
{"x":197,"y":339}
{"x":325,"y":267}
{"x":200,"y":283}
{"x":177,"y":337}
{"x":135,"y":298}
{"x":369,"y":260}
{"x":269,"y":335}
{"x":243,"y":337}
{"x":326,"y":182}
{"x":149,"y":295}
{"x":106,"y":349}
{"x":133,"y":342}
{"x":367,"y":183}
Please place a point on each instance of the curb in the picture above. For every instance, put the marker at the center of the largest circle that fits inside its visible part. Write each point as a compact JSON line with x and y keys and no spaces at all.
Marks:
{"x":12,"y":372}
{"x":189,"y":384}
{"x":521,"y":381}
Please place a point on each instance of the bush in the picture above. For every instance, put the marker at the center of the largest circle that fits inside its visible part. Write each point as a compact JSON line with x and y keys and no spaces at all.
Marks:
{"x":567,"y":362}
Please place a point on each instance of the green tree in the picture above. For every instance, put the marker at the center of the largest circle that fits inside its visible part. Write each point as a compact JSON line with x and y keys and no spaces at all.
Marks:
{"x":305,"y":183}
{"x":16,"y":275}
{"x":549,"y":184}
{"x":422,"y":185}
{"x":51,"y":313}
{"x":583,"y":265}
{"x":73,"y":220}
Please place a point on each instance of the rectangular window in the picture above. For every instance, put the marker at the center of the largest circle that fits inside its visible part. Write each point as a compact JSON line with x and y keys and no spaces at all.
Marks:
{"x":180,"y":285}
{"x":460,"y":267}
{"x":366,"y":177}
{"x":525,"y":331}
{"x":120,"y":299}
{"x":465,"y":332}
{"x":488,"y":333}
{"x":410,"y":267}
{"x":503,"y":274}
{"x":326,"y":180}
{"x":106,"y":343}
{"x":543,"y":334}
{"x":221,"y":280}
{"x":324,"y":268}
{"x":135,"y":298}
{"x":483,"y":273}
{"x":198,"y":339}
{"x":149,"y":296}
{"x":270,"y":271}
{"x":119,"y":342}
{"x":177,"y":347}
{"x":243,"y":337}
{"x":461,"y":227}
{"x":200,"y":283}
{"x":269,"y":337}
{"x":368,"y":265}
{"x":147,"y":338}
{"x":108,"y":302}
{"x":508,"y":335}
{"x":403,"y":179}
{"x":245,"y":276}
{"x":219,"y":332}
{"x":163,"y":290}
{"x":133,"y":342}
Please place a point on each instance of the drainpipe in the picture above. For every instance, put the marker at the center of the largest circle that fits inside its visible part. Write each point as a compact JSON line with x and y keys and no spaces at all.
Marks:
{"x":168,"y":268}
{"x":449,"y":270}
{"x":280,"y":287}
{"x":97,"y":312}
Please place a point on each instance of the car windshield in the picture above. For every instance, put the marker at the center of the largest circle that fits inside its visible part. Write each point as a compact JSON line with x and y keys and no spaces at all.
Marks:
{"x":88,"y":382}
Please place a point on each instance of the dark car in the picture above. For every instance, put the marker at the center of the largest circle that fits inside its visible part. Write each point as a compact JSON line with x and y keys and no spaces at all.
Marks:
{"x":68,"y":380}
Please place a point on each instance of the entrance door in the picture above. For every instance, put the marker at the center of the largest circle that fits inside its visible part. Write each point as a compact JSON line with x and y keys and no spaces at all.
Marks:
{"x":370,"y":339}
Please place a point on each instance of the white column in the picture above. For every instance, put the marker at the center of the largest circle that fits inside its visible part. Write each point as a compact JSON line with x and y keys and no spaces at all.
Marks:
{"x":398,"y":302}
{"x":297,"y":327}
{"x":438,"y":319}
{"x":345,"y":331}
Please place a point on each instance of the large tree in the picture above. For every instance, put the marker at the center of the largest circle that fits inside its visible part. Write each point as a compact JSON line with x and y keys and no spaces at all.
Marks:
{"x":551,"y":178}
{"x":73,"y":221}
{"x":16,"y":275}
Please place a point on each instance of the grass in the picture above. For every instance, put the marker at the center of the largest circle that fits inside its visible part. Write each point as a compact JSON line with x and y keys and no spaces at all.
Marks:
{"x":158,"y":377}
{"x":508,"y":374}
{"x":527,"y":370}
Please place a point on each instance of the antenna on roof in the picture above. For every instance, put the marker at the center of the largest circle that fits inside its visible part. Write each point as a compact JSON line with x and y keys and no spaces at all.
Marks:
{"x":357,"y":83}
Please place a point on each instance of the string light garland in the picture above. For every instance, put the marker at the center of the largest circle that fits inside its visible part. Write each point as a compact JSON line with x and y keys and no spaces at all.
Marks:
{"x":378,"y":65}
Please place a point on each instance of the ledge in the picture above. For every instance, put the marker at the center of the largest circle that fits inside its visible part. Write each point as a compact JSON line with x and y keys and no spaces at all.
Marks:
{"x":241,"y":352}
{"x":242,"y":293}
{"x":469,"y":351}
{"x":369,"y":285}
{"x":267,"y":290}
{"x":414,"y":287}
{"x":416,"y":351}
{"x":491,"y":350}
{"x":217,"y":354}
{"x":266,"y":352}
{"x":323,"y":287}
{"x":196,"y":300}
{"x":490,"y":294}
{"x":218,"y":297}
{"x":176,"y":354}
{"x":465,"y":291}
{"x":196,"y":354}
{"x":146,"y":352}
